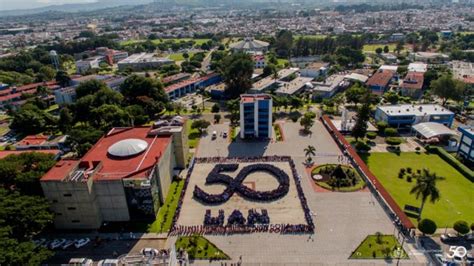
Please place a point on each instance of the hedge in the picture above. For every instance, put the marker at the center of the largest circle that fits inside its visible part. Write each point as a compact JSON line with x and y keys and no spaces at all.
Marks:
{"x":394,"y":141}
{"x":390,"y":132}
{"x":371,"y":135}
{"x":464,"y":170}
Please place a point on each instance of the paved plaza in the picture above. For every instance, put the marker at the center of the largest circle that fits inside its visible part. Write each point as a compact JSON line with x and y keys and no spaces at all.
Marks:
{"x":286,"y":210}
{"x":342,"y":220}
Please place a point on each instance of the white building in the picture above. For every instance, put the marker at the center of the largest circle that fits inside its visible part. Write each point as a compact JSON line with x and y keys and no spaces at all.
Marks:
{"x":82,"y":66}
{"x":315,"y":70}
{"x":143,"y":61}
{"x":417,"y":67}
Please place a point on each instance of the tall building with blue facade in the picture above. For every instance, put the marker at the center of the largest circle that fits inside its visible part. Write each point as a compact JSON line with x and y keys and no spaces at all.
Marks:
{"x":406,"y":115}
{"x":255,"y":116}
{"x":466,"y":145}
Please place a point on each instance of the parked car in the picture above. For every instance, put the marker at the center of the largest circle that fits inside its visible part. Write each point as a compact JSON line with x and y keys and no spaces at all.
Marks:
{"x":57,"y":243}
{"x":82,"y":242}
{"x":68,"y":243}
{"x":80,"y":262}
{"x":448,"y":237}
{"x":108,"y":262}
{"x":214,"y":135}
{"x":441,"y":259}
{"x":149,"y":252}
{"x":224,"y":135}
{"x":39,"y":242}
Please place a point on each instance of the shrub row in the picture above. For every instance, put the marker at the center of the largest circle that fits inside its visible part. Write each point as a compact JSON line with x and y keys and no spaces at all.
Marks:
{"x":452,"y":161}
{"x":394,"y":141}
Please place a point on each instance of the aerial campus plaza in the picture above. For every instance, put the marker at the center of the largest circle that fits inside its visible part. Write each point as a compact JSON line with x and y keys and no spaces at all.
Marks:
{"x":307,"y":224}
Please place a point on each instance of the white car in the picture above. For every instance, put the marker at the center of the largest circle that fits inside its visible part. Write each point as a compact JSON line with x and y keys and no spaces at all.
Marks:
{"x":57,"y":243}
{"x":82,"y":242}
{"x":80,"y":262}
{"x":149,"y":252}
{"x":108,"y":262}
{"x":68,"y":243}
{"x":441,"y":259}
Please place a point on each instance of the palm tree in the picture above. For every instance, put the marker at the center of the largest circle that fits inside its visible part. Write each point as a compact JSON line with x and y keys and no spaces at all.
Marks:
{"x":425,"y":188}
{"x":309,"y":151}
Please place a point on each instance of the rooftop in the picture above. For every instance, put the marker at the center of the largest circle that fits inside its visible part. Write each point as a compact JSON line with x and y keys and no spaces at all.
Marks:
{"x":143,"y":58}
{"x":249,"y":44}
{"x":413,"y":80}
{"x":33,"y":140}
{"x":330,"y":84}
{"x":106,"y":166}
{"x":293,"y":86}
{"x":380,"y":78}
{"x":250,"y":98}
{"x":416,"y":110}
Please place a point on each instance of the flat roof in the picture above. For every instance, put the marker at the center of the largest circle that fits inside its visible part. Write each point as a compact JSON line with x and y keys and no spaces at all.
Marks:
{"x":356,"y":76}
{"x":104,"y":166}
{"x":416,"y":110}
{"x":144,"y":58}
{"x":330,"y":84}
{"x":60,"y":170}
{"x":32,"y":140}
{"x":117,"y":168}
{"x":293,"y":86}
{"x":249,"y":98}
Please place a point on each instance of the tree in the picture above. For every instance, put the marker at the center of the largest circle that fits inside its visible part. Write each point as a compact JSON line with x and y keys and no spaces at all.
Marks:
{"x":217,"y":118}
{"x":354,"y":94}
{"x":146,"y":92}
{"x":200,"y":125}
{"x":63,"y":78}
{"x":45,"y":73}
{"x":66,"y":119}
{"x":237,"y":70}
{"x":461,"y":227}
{"x":391,"y":97}
{"x":386,"y":49}
{"x":309,"y":151}
{"x":89,"y":87}
{"x":81,"y":139}
{"x":233,"y":106}
{"x":268,"y":70}
{"x":21,"y":172}
{"x":425,"y":188}
{"x":379,"y":50}
{"x":215,"y":108}
{"x":360,"y":128}
{"x":399,"y":47}
{"x":108,"y":116}
{"x":283,"y":43}
{"x":427,"y":226}
{"x":447,"y":88}
{"x":307,"y":121}
{"x":25,"y":215}
{"x":29,"y":119}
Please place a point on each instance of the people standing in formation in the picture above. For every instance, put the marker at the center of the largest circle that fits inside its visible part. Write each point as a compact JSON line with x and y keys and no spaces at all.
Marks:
{"x":245,"y":228}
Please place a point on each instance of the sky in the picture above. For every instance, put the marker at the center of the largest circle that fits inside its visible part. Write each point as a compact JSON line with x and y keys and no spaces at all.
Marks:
{"x":28,"y":4}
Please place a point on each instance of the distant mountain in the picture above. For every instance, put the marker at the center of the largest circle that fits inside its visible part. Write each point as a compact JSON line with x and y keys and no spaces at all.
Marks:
{"x":78,"y":7}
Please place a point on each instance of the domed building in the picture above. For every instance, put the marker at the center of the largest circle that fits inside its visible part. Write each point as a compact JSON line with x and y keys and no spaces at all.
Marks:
{"x":249,"y":45}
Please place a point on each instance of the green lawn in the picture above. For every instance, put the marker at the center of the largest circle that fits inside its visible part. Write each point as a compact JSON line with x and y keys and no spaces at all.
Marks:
{"x":282,"y":62}
{"x":193,"y":135}
{"x":373,"y":47}
{"x":456,"y":191}
{"x":166,"y":213}
{"x":379,"y":247}
{"x":179,"y":56}
{"x":199,"y":247}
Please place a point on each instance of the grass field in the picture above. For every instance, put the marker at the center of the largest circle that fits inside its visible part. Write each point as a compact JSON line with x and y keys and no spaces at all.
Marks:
{"x":372,"y":47}
{"x":282,"y":62}
{"x":199,"y":247}
{"x":166,"y":213}
{"x":314,"y":36}
{"x":456,"y":191}
{"x":193,"y":135}
{"x":379,"y":247}
{"x":179,"y":56}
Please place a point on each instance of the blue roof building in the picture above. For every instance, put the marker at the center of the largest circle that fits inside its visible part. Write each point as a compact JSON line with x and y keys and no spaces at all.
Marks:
{"x":466,"y":145}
